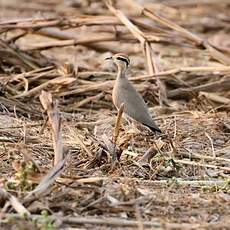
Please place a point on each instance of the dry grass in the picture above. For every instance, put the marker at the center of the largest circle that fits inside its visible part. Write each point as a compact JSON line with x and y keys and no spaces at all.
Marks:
{"x":68,"y":160}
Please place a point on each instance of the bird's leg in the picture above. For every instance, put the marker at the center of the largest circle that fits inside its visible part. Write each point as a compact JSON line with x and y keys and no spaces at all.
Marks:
{"x":118,"y":122}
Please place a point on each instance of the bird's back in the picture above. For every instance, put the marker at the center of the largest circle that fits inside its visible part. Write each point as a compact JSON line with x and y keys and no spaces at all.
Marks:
{"x":134,"y":105}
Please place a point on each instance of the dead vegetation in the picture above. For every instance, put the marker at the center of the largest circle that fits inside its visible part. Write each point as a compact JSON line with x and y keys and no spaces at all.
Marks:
{"x":67,"y":157}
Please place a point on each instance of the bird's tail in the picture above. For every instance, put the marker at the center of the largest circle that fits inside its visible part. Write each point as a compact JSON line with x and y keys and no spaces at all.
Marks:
{"x":154,"y":129}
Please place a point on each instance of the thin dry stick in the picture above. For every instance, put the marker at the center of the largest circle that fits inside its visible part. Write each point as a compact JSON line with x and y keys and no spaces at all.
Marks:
{"x":215,"y":98}
{"x":216,"y":54}
{"x":112,"y":222}
{"x":81,"y":143}
{"x":199,"y":156}
{"x":153,"y":66}
{"x":32,"y":23}
{"x":149,"y":183}
{"x":19,"y":55}
{"x":172,"y":25}
{"x":137,"y":33}
{"x":97,"y":86}
{"x":88,"y":99}
{"x":58,"y":33}
{"x":37,"y":76}
{"x":212,"y":146}
{"x":220,"y":85}
{"x":46,"y":182}
{"x":71,"y":42}
{"x":227,"y":169}
{"x":35,"y":71}
{"x":64,"y":35}
{"x":29,"y":25}
{"x":58,"y":81}
{"x":24,"y":80}
{"x":18,"y":207}
{"x":118,"y":122}
{"x":198,"y":41}
{"x":215,"y":70}
{"x":170,"y":72}
{"x":54,"y":118}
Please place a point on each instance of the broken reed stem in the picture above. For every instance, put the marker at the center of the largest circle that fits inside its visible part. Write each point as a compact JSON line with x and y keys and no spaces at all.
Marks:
{"x":17,"y":53}
{"x":14,"y":202}
{"x":203,"y":157}
{"x":118,"y":122}
{"x":53,"y":113}
{"x":44,"y":23}
{"x":46,"y":182}
{"x":198,"y":41}
{"x":55,"y":81}
{"x":186,"y":162}
{"x":71,"y":42}
{"x":172,"y":72}
{"x":125,"y":180}
{"x":89,"y":99}
{"x":187,"y":34}
{"x":59,"y":160}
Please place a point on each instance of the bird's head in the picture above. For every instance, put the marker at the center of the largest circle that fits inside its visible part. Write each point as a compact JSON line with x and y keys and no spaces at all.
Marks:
{"x":121,"y":60}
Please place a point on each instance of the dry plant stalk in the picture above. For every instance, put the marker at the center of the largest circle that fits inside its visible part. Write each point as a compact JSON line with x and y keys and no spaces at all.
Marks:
{"x":81,"y":143}
{"x":51,"y":108}
{"x":187,"y":34}
{"x":18,"y":207}
{"x":118,"y":122}
{"x":19,"y":55}
{"x":55,"y":81}
{"x":194,"y":163}
{"x":71,"y":42}
{"x":45,"y":183}
{"x":59,"y":160}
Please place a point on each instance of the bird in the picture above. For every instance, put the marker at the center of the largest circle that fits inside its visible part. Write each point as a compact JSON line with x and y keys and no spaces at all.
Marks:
{"x":125,"y":93}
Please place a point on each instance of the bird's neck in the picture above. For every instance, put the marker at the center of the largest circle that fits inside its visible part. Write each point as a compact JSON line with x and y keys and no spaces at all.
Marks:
{"x":121,"y":73}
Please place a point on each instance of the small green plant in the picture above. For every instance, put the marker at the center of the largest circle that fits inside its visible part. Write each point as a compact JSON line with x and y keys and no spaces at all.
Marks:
{"x":173,"y":164}
{"x":45,"y":221}
{"x":22,"y":178}
{"x":173,"y":182}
